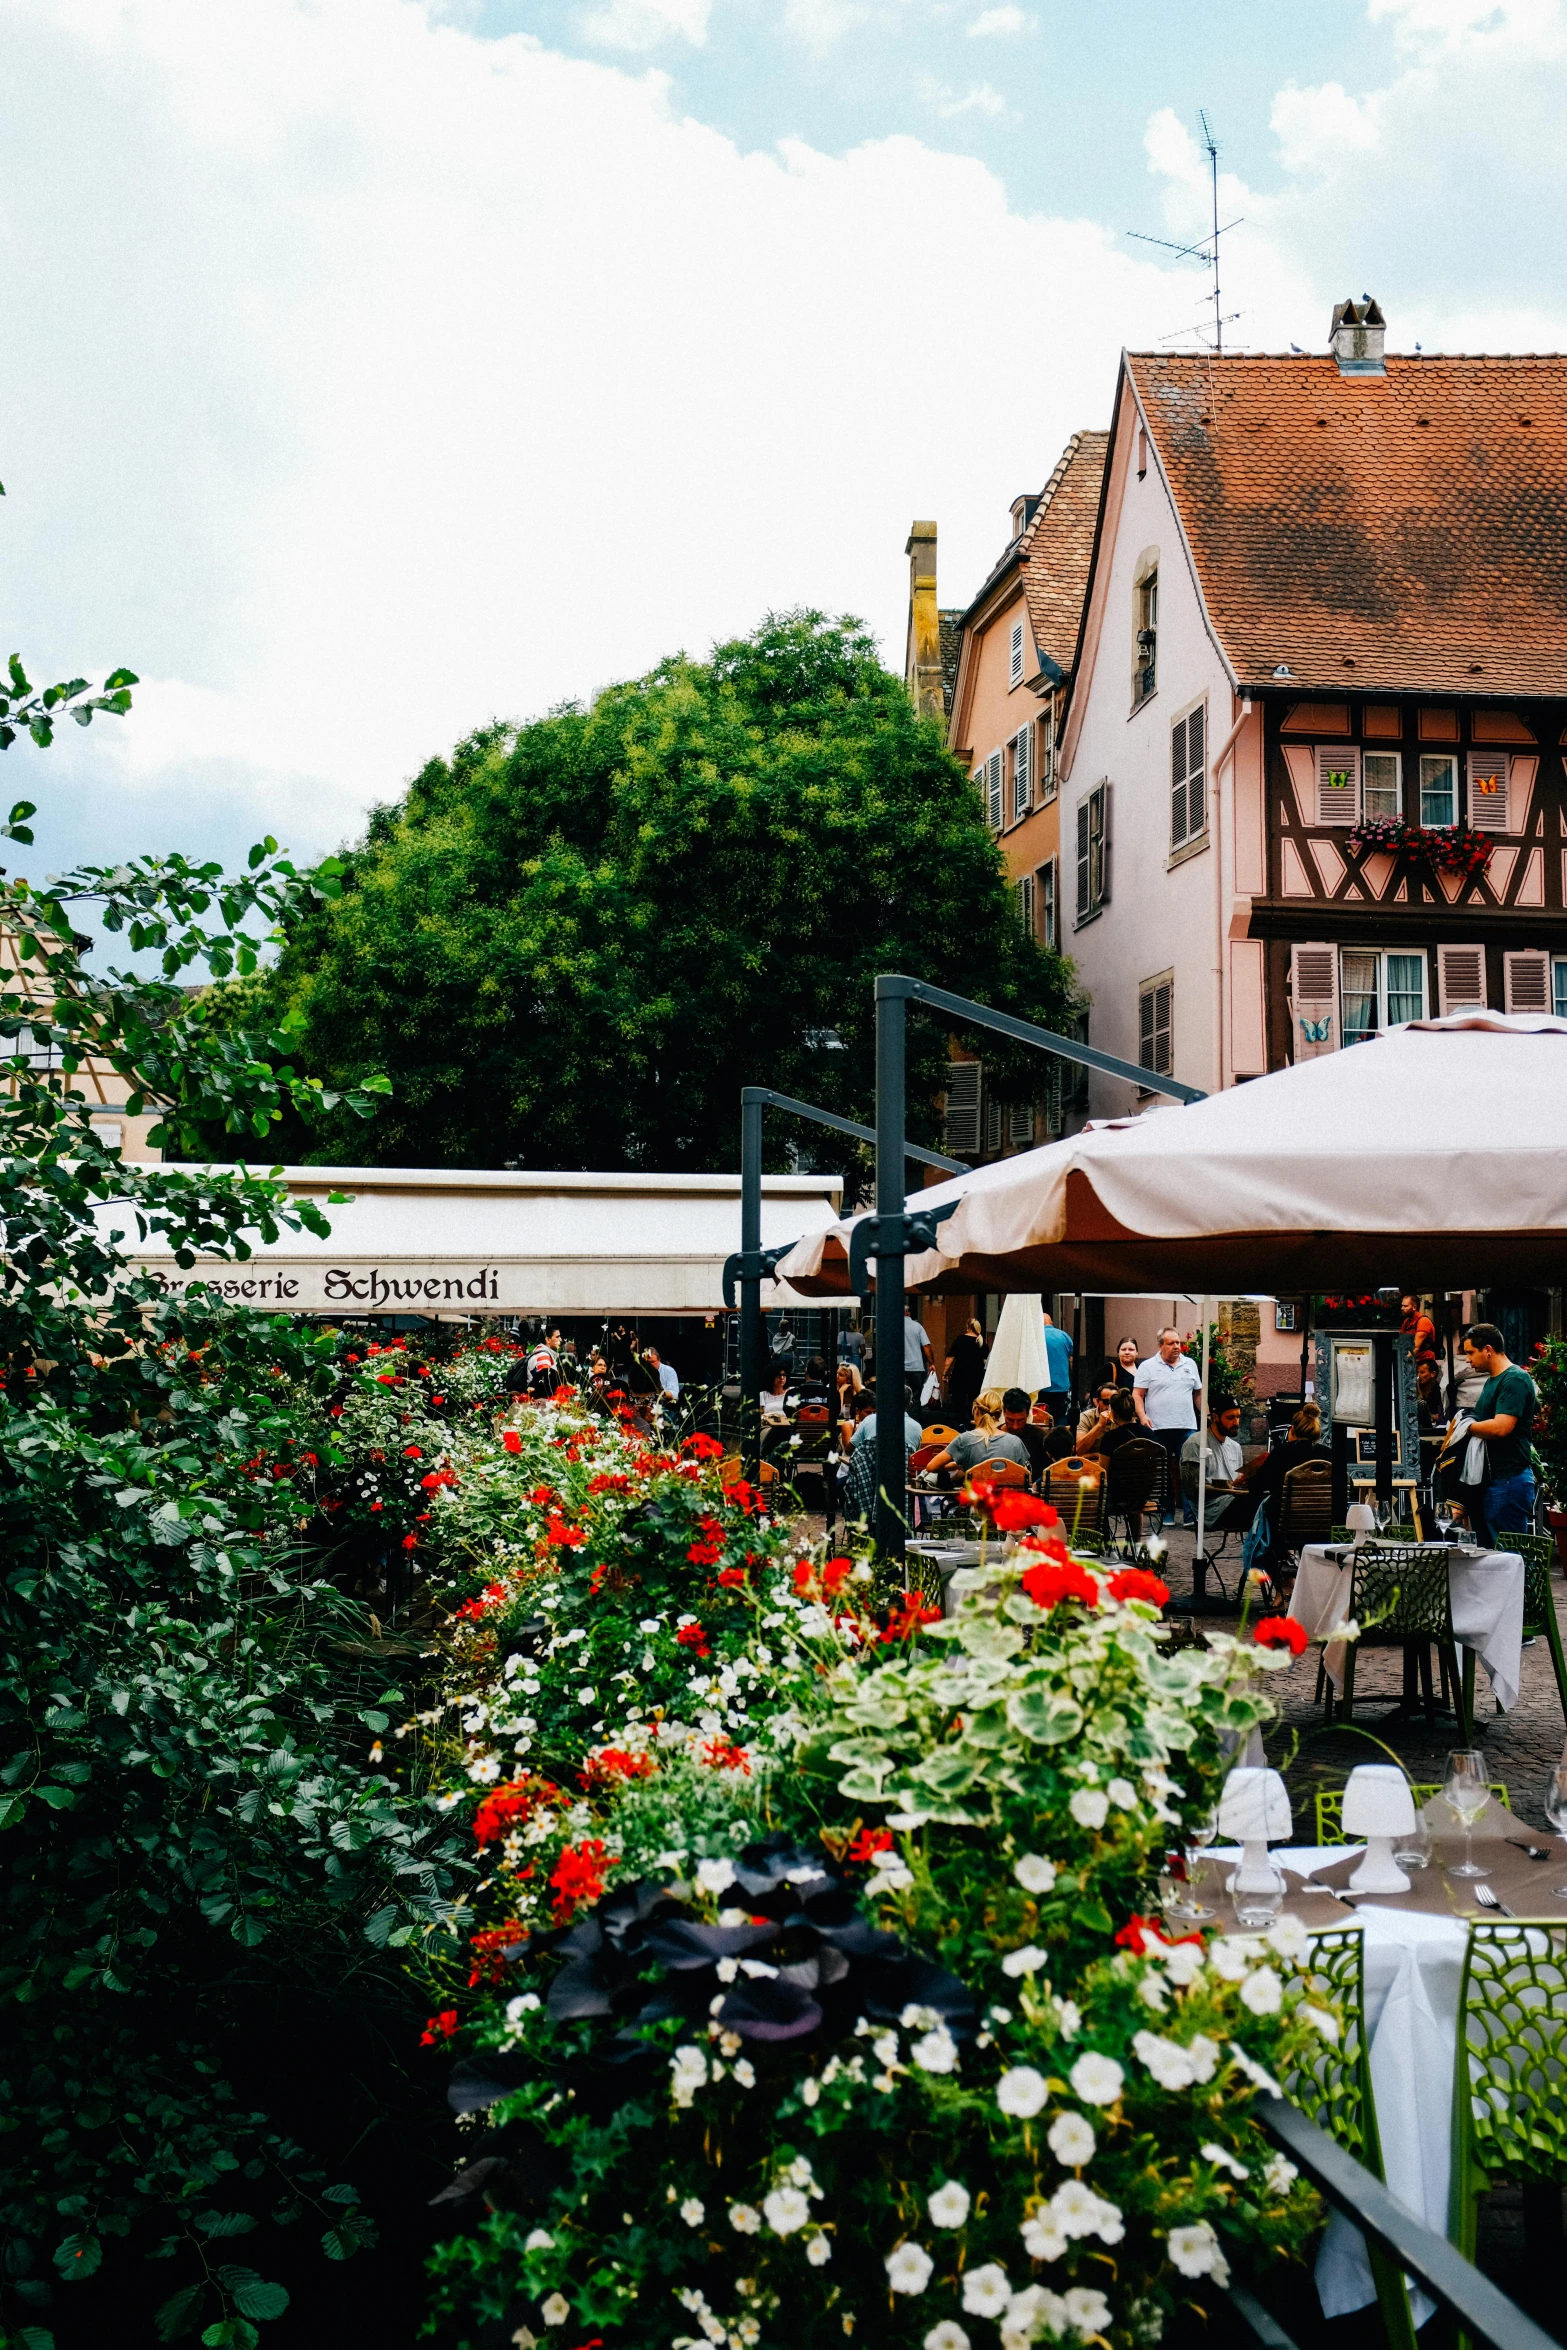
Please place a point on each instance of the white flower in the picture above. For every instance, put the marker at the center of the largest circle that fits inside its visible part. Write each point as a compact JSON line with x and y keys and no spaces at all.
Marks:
{"x":1263,"y":1992}
{"x":1254,"y":2072}
{"x":744,"y":2218}
{"x":1279,"y":2174}
{"x":1223,"y":2159}
{"x":818,"y":2251}
{"x":688,"y":2072}
{"x":1020,"y":2318}
{"x":1035,"y":1874}
{"x":1182,"y":1963}
{"x":540,"y":2241}
{"x":1071,"y":2140}
{"x":484,"y":1770}
{"x":885,"y":2048}
{"x":1153,"y":1991}
{"x":693,"y":2211}
{"x":1069,"y":2019}
{"x":715,"y":1876}
{"x":1195,"y":2252}
{"x":744,"y":2072}
{"x":524,"y":2004}
{"x":1077,"y":2210}
{"x":949,"y":2206}
{"x":1087,"y":2310}
{"x":947,"y":2336}
{"x":1090,"y":1807}
{"x":1288,"y":1936}
{"x":1230,"y":1956}
{"x":786,"y":2211}
{"x":1026,"y":1961}
{"x":1096,"y":2079}
{"x":986,"y":2290}
{"x":1021,"y":2092}
{"x":1042,"y":2239}
{"x":810,"y":2090}
{"x":1122,"y":1794}
{"x":1167,"y":2060}
{"x":1321,"y":2020}
{"x":909,"y":2268}
{"x":556,"y":2310}
{"x":937,"y":2052}
{"x":650,"y":1624}
{"x":727,"y":1969}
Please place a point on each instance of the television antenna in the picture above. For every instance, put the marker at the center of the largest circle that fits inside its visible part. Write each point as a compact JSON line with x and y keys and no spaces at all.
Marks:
{"x":1206,"y":250}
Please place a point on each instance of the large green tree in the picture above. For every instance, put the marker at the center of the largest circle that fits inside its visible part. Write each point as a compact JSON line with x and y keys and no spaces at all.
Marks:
{"x":571,"y":943}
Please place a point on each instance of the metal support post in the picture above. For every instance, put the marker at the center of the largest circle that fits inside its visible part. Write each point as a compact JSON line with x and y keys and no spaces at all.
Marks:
{"x":751,"y":1285}
{"x":891,"y":1456}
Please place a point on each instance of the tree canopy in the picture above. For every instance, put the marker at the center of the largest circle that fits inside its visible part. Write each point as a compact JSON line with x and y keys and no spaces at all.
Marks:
{"x":572,"y":942}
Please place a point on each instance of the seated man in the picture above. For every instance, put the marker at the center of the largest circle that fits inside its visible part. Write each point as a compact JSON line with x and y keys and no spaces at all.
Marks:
{"x":1229,"y":1507}
{"x":1095,"y":1415}
{"x":859,"y":1484}
{"x":1015,"y":1410}
{"x":1117,"y":1426}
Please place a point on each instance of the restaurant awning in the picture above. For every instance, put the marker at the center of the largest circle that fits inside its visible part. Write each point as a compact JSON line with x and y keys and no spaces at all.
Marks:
{"x":419,"y":1240}
{"x":1436,"y":1155}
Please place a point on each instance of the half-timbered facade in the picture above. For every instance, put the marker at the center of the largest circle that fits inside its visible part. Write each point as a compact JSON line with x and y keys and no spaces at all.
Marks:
{"x":1348,"y":574}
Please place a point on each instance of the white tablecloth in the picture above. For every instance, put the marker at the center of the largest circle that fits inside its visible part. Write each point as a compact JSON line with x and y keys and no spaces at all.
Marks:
{"x":1487,"y":1588}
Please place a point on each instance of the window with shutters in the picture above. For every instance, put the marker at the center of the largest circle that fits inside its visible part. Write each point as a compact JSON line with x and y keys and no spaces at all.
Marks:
{"x":1015,"y":655}
{"x":1020,"y":752}
{"x":1025,"y":902}
{"x":1054,"y":1091}
{"x":988,"y":776}
{"x":1377,"y":991}
{"x":1314,"y":1000}
{"x":1338,"y":786}
{"x":961,"y":1123}
{"x":1559,"y":986}
{"x":1020,"y":1125}
{"x":1381,"y":784}
{"x":1461,"y":978}
{"x":1488,"y":773}
{"x":1047,"y":903}
{"x":1093,"y":852}
{"x":1438,"y":789}
{"x":1145,"y":627}
{"x":1154,"y":1001}
{"x":1048,"y":779}
{"x":1526,"y":981}
{"x":992,"y":1126}
{"x":1188,"y":778}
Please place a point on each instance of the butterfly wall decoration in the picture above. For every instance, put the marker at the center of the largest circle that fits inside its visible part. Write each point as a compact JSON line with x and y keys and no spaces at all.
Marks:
{"x":1316,"y":1031}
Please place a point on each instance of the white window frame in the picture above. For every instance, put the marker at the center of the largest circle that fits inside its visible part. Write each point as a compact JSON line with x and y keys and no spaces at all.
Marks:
{"x":1559,"y":986}
{"x":1145,"y":621}
{"x":1369,"y":752}
{"x":1430,"y":760}
{"x":988,"y":777}
{"x":1015,"y":654}
{"x":1093,"y":853}
{"x":1382,"y":1021}
{"x":1180,"y":793}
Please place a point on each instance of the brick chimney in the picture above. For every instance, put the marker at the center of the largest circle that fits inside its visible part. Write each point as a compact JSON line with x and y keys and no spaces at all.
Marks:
{"x":1357,"y":336}
{"x":922,"y":655}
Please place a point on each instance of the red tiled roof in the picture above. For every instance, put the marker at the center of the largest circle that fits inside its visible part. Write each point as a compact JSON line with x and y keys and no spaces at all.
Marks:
{"x":1406,"y":532}
{"x":1057,"y":546}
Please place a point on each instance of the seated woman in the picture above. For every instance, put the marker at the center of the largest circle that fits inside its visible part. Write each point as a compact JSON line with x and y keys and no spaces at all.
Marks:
{"x":1094,"y":1417}
{"x":1115,"y":1426}
{"x":987,"y":1440}
{"x":773,"y":1398}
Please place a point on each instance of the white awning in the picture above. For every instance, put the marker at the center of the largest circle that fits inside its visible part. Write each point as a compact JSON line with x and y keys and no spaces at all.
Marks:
{"x":418,"y":1240}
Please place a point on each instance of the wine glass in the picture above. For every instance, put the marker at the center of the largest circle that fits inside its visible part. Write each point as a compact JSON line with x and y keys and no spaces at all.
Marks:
{"x":1556,"y":1811}
{"x":1444,"y":1516}
{"x":1465,"y":1793}
{"x":1199,"y":1836}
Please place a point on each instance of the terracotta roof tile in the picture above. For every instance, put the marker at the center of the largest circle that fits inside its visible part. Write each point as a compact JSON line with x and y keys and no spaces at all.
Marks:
{"x":1405,"y":532}
{"x":1057,"y":546}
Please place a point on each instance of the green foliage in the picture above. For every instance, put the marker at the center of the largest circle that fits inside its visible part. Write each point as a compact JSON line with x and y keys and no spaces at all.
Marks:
{"x":1547,"y":1367}
{"x":572,"y":943}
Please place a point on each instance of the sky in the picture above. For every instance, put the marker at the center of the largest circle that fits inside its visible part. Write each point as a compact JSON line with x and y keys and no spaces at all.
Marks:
{"x":376,"y":368}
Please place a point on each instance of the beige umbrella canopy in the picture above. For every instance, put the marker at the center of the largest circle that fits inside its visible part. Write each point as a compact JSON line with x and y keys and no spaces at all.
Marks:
{"x":1435,"y":1155}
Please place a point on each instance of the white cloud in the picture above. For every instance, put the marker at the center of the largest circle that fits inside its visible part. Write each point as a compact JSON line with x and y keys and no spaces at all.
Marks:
{"x":1320,"y":129}
{"x":978,"y":98}
{"x":999,"y":21}
{"x":644,"y":24}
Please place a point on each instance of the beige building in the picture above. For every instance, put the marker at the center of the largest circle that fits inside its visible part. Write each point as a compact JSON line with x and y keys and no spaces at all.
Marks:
{"x":102,"y":1088}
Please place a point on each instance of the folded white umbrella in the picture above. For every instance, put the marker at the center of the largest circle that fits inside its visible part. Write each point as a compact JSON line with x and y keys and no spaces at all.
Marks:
{"x":1435,"y":1154}
{"x":1018,"y":1354}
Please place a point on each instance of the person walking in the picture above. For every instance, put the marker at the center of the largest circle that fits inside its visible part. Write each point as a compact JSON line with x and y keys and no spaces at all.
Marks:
{"x":1504,"y":1416}
{"x":1058,"y":1354}
{"x":1164,"y":1393}
{"x":963,"y":1374}
{"x":919,"y":1364}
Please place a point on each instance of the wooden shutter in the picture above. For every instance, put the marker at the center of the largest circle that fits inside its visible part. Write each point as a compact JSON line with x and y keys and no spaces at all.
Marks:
{"x":1025,"y":901}
{"x":1177,"y":790}
{"x":1153,"y":1028}
{"x":1196,"y":776}
{"x":1082,"y":858}
{"x":961,"y":1125}
{"x":1488,"y":778}
{"x":992,"y":1125}
{"x":1526,"y":981}
{"x":1460,"y":975}
{"x":1015,"y":660}
{"x":1020,"y":1125}
{"x":1102,"y":895}
{"x":1338,"y":786}
{"x":1047,"y":751}
{"x":993,"y":797}
{"x":1022,"y":771}
{"x":1314,"y":999}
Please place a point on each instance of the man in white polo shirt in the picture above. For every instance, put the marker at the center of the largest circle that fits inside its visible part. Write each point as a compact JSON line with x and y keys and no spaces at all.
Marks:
{"x":1165,"y":1391}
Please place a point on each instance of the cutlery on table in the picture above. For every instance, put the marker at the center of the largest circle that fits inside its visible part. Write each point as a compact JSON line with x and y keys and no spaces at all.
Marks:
{"x":1487,"y":1900}
{"x":1535,"y":1851}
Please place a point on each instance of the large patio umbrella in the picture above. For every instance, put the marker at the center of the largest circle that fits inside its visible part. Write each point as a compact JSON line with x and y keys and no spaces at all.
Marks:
{"x":1435,"y":1154}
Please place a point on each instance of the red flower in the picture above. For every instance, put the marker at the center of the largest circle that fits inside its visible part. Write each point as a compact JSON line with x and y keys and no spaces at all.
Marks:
{"x":693,"y":1636}
{"x":724,"y":1755}
{"x":705,"y":1554}
{"x":803,"y":1575}
{"x":410,"y":1541}
{"x":836,"y":1573}
{"x":1281,"y":1632}
{"x":489,"y":1948}
{"x":511,"y":1440}
{"x":541,"y":1494}
{"x":411,"y":1452}
{"x":609,"y":1482}
{"x":612,"y":1763}
{"x":906,"y":1617}
{"x":505,"y":1807}
{"x":731,"y":1577}
{"x":440,"y":2027}
{"x":868,"y":1843}
{"x":1047,"y":1586}
{"x":1137,"y":1583}
{"x":1144,"y":1934}
{"x":579,"y":1874}
{"x":563,"y":1536}
{"x":702,"y":1448}
{"x":1013,"y":1509}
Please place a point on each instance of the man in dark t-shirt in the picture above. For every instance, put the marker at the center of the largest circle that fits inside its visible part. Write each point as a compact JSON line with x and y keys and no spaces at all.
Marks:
{"x":1504,"y":1416}
{"x":1015,"y":1409}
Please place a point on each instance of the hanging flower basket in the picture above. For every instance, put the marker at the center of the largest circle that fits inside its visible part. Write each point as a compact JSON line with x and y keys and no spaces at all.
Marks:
{"x":1447,"y":848}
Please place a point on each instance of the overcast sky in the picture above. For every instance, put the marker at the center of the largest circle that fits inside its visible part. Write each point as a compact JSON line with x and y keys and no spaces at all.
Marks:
{"x":374,"y":368}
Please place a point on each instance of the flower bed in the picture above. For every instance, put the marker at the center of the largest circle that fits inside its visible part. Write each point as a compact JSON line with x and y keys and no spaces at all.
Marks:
{"x":805,"y":1986}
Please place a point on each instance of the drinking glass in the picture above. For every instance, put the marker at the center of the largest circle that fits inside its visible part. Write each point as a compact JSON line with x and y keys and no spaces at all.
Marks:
{"x":1199,"y":1836}
{"x":1258,"y":1902}
{"x":1413,"y":1851}
{"x":1556,"y":1811}
{"x":1175,"y":1899}
{"x":1465,"y":1793}
{"x":1444,"y":1516}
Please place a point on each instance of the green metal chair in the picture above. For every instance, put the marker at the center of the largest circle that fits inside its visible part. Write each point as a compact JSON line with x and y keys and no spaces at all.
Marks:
{"x":1538,"y":1552}
{"x":1330,"y":1807}
{"x":1335,"y":2091}
{"x":1509,"y":2109}
{"x":1408,"y":1594}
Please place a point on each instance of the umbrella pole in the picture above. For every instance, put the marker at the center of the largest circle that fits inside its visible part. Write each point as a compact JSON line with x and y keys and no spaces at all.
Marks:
{"x":1199,"y":1555}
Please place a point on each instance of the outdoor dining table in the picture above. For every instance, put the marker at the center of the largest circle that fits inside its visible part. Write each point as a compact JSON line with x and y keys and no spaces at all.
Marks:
{"x":1487,"y":1588}
{"x":1413,"y":1960}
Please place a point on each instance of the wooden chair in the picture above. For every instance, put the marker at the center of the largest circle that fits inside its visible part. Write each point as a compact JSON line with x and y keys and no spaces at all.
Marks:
{"x":1305,"y":1508}
{"x":1001,"y":1472}
{"x":938,"y":1434}
{"x":1135,"y":1481}
{"x":1079,"y":1502}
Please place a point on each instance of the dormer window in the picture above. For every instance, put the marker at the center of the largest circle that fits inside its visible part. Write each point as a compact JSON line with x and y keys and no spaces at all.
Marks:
{"x":1145,"y":627}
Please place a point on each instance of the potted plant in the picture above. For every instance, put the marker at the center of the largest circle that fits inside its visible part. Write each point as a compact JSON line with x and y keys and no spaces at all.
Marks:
{"x":1548,"y":1370}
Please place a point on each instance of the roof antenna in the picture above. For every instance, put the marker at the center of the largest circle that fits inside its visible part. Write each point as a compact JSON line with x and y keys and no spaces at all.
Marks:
{"x":1207,"y":250}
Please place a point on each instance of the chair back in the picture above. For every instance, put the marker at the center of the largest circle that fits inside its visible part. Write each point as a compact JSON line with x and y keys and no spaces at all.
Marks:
{"x":1000,"y":1472}
{"x":1538,"y":1552}
{"x":812,"y":1415}
{"x":1134,"y":1476}
{"x":1079,"y":1505}
{"x":1306,"y":1505}
{"x":1410,"y":1591}
{"x":1330,"y":1807}
{"x":923,"y":1457}
{"x":1509,"y":2116}
{"x":938,"y":1433}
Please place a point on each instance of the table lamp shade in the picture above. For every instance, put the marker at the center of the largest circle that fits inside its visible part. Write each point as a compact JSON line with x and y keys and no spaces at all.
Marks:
{"x":1360,"y":1517}
{"x":1254,"y":1804}
{"x":1378,"y":1802}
